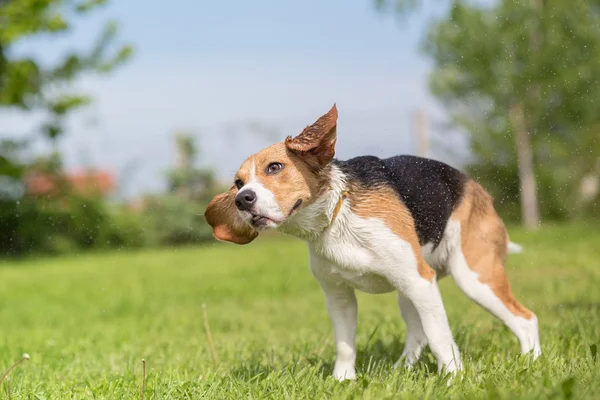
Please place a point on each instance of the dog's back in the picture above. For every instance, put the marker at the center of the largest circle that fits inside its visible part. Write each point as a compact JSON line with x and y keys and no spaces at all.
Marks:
{"x":431,"y":190}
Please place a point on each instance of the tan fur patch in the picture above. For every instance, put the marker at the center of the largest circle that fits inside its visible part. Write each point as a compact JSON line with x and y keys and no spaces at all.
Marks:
{"x":295,"y":181}
{"x":484,"y":244}
{"x":383,"y":203}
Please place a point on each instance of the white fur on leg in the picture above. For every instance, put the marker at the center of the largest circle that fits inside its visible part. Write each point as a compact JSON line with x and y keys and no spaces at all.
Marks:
{"x":468,"y":281}
{"x":344,"y":363}
{"x":415,"y":336}
{"x":525,"y":330}
{"x":342,"y":307}
{"x":427,"y":300}
{"x":530,"y":338}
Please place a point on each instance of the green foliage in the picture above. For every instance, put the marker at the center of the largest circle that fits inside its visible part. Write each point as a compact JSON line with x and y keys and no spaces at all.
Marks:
{"x":65,"y":224}
{"x":545,"y":58}
{"x":122,"y":229}
{"x":174,"y":220}
{"x":484,"y":59}
{"x":54,"y":225}
{"x":69,"y":221}
{"x":178,"y":216}
{"x":27,"y":84}
{"x":502,"y":182}
{"x":186,"y":180}
{"x":88,"y":320}
{"x":66,"y":220}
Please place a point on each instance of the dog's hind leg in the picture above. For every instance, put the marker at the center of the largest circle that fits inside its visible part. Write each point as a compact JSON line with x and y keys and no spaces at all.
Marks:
{"x":415,"y":336}
{"x":495,"y":295}
{"x":477,"y":247}
{"x":479,"y":244}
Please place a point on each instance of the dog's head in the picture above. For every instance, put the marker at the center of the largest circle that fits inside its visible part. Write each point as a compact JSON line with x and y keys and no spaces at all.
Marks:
{"x":274,"y":183}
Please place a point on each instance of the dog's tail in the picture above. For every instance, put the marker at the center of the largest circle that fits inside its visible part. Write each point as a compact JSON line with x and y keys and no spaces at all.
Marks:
{"x":514,"y":248}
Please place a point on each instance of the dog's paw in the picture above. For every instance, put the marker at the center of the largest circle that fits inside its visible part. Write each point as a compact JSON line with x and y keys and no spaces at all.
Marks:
{"x":406,"y":360}
{"x":452,"y":370}
{"x":344,"y":372}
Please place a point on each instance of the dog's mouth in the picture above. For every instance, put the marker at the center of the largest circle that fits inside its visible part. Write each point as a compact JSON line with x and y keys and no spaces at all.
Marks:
{"x":296,"y":206}
{"x":260,"y":221}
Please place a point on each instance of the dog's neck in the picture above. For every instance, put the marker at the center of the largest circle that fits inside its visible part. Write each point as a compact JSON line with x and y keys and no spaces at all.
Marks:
{"x":310,"y":222}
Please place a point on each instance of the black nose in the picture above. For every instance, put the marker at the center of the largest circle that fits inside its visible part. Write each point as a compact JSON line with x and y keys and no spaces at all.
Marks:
{"x":245,"y":200}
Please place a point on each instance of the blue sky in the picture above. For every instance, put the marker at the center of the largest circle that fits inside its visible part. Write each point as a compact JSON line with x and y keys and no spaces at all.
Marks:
{"x":212,"y":67}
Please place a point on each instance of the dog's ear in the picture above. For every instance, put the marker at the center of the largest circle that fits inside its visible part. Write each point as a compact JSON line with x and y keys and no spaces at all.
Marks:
{"x":316,"y":143}
{"x":222,"y":215}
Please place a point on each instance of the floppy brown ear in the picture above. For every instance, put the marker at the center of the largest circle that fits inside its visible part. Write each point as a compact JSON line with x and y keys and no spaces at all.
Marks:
{"x":222,"y":215}
{"x":316,"y":143}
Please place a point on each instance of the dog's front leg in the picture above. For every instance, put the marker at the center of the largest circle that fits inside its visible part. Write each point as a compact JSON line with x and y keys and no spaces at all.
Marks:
{"x":342,"y":307}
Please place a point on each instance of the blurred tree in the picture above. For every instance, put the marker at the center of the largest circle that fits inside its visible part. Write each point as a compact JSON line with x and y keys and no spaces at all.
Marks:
{"x":177,"y":216}
{"x":186,"y":180}
{"x":28,"y":84}
{"x":186,"y":150}
{"x":522,"y":78}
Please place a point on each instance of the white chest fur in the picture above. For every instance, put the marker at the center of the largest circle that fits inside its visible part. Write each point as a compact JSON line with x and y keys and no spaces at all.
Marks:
{"x":350,"y":250}
{"x":359,"y":252}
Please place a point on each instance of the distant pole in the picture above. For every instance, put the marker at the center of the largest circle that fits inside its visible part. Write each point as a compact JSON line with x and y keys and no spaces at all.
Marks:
{"x":421,"y":133}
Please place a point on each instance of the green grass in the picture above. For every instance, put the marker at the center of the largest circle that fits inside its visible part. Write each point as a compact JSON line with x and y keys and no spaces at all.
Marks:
{"x":88,"y":320}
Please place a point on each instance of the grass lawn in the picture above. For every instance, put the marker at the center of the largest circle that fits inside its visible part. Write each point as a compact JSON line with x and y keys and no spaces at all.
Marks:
{"x":87,"y":321}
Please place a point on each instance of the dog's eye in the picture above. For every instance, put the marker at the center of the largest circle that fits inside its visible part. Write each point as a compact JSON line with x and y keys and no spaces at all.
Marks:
{"x":239,"y":183}
{"x":274,"y":168}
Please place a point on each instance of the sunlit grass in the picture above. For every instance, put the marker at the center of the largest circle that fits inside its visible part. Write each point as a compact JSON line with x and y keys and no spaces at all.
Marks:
{"x":88,"y":320}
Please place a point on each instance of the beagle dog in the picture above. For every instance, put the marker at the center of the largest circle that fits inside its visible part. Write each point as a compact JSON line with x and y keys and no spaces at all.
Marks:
{"x":378,"y":225}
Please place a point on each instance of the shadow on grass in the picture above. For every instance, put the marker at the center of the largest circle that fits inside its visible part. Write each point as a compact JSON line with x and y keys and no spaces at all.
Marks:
{"x":380,"y":356}
{"x":377,"y":357}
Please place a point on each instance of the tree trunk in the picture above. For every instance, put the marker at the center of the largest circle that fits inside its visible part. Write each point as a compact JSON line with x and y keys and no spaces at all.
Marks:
{"x":530,"y":215}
